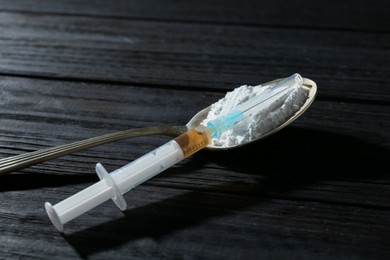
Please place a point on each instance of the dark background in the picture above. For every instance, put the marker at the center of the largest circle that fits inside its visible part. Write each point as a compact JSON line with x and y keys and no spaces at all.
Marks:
{"x":75,"y":69}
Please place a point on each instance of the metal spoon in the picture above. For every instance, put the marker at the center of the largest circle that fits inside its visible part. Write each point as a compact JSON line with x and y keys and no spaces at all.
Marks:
{"x":17,"y":162}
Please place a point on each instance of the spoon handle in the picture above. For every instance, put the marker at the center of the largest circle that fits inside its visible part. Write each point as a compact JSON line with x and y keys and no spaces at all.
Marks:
{"x":21,"y":161}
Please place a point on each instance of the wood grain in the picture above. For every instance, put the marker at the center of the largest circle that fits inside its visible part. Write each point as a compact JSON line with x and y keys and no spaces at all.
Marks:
{"x":217,"y":192}
{"x":345,"y":15}
{"x":71,"y":70}
{"x":139,"y":52}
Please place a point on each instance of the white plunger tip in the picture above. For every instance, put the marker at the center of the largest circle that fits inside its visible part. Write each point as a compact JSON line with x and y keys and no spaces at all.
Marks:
{"x":55,"y":219}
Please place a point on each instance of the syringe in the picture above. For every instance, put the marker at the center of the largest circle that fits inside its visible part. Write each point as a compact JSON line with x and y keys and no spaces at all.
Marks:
{"x":131,"y":175}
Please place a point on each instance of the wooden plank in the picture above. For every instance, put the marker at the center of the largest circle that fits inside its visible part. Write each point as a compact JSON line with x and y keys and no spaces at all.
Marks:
{"x":213,"y":205}
{"x":182,"y":223}
{"x":76,"y":111}
{"x":346,"y":15}
{"x":346,"y":65}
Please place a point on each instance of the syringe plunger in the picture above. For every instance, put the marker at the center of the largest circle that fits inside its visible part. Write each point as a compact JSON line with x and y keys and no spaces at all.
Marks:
{"x":112,"y":186}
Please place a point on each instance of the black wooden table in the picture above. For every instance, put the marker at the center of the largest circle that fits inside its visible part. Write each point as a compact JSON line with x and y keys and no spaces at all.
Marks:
{"x":71,"y":70}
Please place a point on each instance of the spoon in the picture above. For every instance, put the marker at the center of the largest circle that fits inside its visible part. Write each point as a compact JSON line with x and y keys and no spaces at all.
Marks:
{"x":17,"y":162}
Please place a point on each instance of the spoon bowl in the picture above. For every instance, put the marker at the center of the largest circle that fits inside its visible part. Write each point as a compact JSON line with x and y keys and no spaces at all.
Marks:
{"x":308,"y":84}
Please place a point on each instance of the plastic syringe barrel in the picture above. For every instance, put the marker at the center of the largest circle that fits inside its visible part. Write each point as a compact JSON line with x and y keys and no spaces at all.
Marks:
{"x":255,"y":104}
{"x":112,"y":186}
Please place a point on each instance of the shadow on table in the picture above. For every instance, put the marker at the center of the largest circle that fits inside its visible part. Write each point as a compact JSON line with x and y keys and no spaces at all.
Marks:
{"x":29,"y":181}
{"x":285,"y":162}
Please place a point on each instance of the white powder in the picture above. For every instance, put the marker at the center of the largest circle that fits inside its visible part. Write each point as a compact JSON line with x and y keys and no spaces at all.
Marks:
{"x":259,"y":124}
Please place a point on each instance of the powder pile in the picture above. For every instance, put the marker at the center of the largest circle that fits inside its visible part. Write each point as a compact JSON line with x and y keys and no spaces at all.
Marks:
{"x":259,"y":124}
